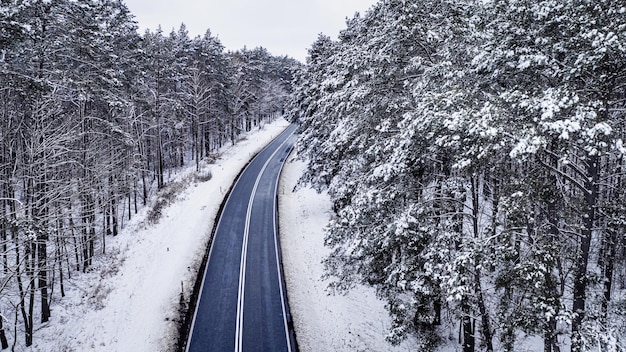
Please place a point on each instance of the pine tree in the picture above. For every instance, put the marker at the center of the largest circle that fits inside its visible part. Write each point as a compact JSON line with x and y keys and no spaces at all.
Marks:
{"x":451,"y":135}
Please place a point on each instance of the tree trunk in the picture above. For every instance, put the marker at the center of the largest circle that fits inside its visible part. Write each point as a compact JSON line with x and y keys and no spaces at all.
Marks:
{"x":3,"y":338}
{"x":130,"y":212}
{"x":113,"y":210}
{"x":145,"y":190}
{"x":484,"y":314}
{"x":135,"y":196}
{"x":611,"y":241}
{"x":550,"y":343}
{"x":580,"y":275}
{"x":92,"y":239}
{"x":467,"y":328}
{"x":160,"y":180}
{"x":75,"y":239}
{"x":22,"y":293}
{"x":232,"y":131}
{"x":106,"y":223}
{"x":437,"y":309}
{"x":196,"y":143}
{"x":551,"y":291}
{"x":85,"y":239}
{"x":29,"y":290}
{"x":468,"y":340}
{"x":59,"y":253}
{"x":609,"y":264}
{"x":43,"y":277}
{"x":3,"y":236}
{"x":31,"y":303}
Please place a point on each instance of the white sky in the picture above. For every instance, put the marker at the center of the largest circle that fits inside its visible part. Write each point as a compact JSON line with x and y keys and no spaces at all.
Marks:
{"x":284,"y":27}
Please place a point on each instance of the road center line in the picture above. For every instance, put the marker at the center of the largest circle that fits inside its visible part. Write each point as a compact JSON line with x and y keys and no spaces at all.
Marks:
{"x":244,"y":251}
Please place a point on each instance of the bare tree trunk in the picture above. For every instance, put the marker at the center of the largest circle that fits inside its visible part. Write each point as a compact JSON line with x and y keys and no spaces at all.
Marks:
{"x":113,"y":207}
{"x":484,"y":314}
{"x":3,"y":235}
{"x":195,"y":132}
{"x":580,"y":275}
{"x":27,"y":312}
{"x":145,"y":190}
{"x":75,"y":238}
{"x":85,"y":237}
{"x":130,"y":202}
{"x":106,"y":223}
{"x":467,"y":328}
{"x":43,"y":277}
{"x":550,"y":343}
{"x":135,"y":196}
{"x":611,"y":241}
{"x":92,"y":238}
{"x":232,"y":131}
{"x":160,"y":180}
{"x":31,"y":292}
{"x":608,"y":268}
{"x":3,"y":337}
{"x":22,"y":293}
{"x":60,"y":255}
{"x":467,"y":338}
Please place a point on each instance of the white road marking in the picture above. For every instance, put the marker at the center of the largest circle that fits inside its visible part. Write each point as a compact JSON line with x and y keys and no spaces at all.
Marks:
{"x":195,"y":314}
{"x":244,"y":251}
{"x":278,"y":269}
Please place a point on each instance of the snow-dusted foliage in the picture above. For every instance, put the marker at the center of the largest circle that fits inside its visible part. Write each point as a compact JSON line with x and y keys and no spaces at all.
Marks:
{"x":473,"y":151}
{"x":93,"y":118}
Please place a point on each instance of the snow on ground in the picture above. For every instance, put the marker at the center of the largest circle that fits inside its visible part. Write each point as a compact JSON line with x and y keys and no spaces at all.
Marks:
{"x":353,"y":322}
{"x":129,"y":300}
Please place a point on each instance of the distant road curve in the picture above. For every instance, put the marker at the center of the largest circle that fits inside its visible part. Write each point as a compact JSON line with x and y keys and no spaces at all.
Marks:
{"x":243,"y":304}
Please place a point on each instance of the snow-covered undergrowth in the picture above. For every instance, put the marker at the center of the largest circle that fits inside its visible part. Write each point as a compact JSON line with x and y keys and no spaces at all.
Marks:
{"x":129,"y":299}
{"x":356,"y":321}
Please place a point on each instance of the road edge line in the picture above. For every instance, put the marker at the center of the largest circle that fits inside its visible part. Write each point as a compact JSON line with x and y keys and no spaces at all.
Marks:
{"x":277,"y":248}
{"x":244,"y":249}
{"x":190,"y":321}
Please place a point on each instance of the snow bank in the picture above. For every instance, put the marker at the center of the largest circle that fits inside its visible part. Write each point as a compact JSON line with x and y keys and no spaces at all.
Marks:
{"x":129,"y":300}
{"x":354,"y":322}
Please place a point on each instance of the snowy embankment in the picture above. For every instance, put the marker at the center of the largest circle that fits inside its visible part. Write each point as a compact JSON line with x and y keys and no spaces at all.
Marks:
{"x":353,"y":322}
{"x":129,"y":300}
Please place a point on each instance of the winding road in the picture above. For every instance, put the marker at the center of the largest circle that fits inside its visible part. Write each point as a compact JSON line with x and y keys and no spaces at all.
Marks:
{"x":243,"y":304}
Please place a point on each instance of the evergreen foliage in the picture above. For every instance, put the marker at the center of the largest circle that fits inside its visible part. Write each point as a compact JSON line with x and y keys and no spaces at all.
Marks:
{"x":473,"y":152}
{"x":93,"y":119}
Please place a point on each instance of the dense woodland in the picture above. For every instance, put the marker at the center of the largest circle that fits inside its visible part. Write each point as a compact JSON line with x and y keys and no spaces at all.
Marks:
{"x":94,"y":117}
{"x":474,"y":154}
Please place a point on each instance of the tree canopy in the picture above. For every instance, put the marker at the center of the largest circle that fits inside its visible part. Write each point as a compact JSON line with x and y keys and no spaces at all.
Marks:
{"x":94,"y":117}
{"x":473,"y":151}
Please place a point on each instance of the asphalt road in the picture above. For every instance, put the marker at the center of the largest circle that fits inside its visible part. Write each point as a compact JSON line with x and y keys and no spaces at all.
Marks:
{"x":243,"y":305}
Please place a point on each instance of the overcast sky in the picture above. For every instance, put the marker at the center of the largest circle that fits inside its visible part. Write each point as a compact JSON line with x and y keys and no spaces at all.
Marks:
{"x":284,"y":27}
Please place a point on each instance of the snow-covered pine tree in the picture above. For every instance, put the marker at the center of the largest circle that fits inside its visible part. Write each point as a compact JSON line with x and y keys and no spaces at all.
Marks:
{"x":559,"y":67}
{"x":470,"y":146}
{"x":79,"y":132}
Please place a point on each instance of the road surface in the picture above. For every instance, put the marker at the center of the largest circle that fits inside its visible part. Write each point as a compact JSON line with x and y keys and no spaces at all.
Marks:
{"x":243,"y":304}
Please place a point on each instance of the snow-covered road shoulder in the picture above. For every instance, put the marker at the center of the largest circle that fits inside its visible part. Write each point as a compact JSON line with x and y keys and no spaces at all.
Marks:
{"x":129,"y":300}
{"x":353,"y":322}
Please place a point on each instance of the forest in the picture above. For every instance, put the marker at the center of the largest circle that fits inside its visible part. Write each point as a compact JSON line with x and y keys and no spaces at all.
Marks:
{"x":474,"y":155}
{"x":94,"y":118}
